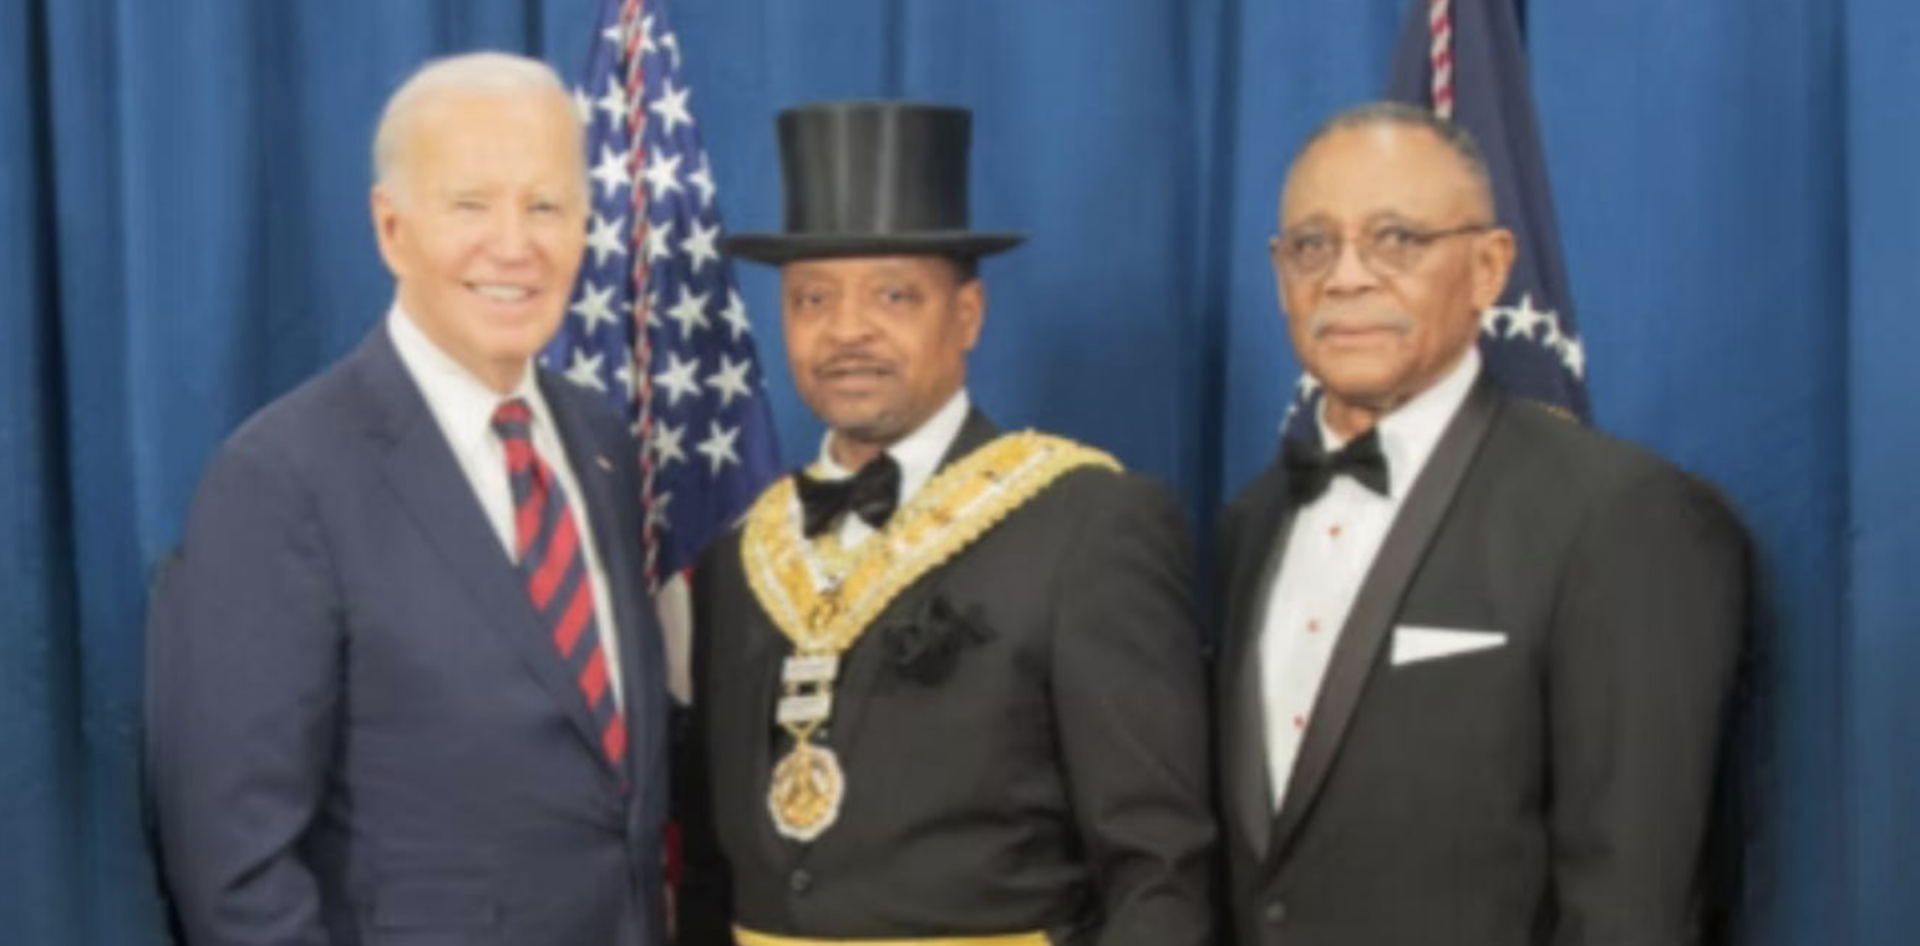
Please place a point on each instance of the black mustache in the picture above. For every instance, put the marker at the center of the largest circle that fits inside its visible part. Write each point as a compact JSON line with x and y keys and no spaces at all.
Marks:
{"x":852,"y":362}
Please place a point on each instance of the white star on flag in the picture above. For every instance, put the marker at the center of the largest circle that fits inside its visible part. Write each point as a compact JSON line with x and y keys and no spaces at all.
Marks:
{"x":730,"y":381}
{"x":702,"y":181}
{"x":1522,"y":317}
{"x":611,"y":171}
{"x":613,"y":104}
{"x":657,"y":516}
{"x":605,"y":238}
{"x":639,"y":324}
{"x":657,"y":236}
{"x":666,"y":445}
{"x":672,"y":106}
{"x":582,"y":107}
{"x":595,"y":306}
{"x":1573,"y":354}
{"x":655,"y":306}
{"x":718,"y":447}
{"x":678,"y":379}
{"x":585,"y":371}
{"x":663,"y":175}
{"x":624,"y":375}
{"x":735,"y":315}
{"x":690,"y":312}
{"x":699,"y":246}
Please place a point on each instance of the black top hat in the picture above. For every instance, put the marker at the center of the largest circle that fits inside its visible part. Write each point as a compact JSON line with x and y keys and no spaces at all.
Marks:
{"x":873,"y":179}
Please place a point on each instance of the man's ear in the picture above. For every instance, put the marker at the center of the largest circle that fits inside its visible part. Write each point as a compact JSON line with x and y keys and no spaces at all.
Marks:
{"x":387,"y":228}
{"x":1492,"y":265}
{"x":971,"y":301}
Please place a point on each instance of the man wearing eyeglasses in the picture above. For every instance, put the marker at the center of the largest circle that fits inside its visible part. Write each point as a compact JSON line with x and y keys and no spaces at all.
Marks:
{"x":1477,"y":658}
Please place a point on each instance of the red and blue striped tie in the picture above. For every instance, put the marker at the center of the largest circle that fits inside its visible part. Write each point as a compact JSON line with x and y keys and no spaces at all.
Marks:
{"x":547,"y":542}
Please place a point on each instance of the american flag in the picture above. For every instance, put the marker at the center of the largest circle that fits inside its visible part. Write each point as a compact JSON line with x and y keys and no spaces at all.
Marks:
{"x":655,"y":322}
{"x":1466,"y":60}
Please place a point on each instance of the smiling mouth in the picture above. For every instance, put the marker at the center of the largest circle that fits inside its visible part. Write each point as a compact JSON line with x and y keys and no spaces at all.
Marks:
{"x":501,"y":292}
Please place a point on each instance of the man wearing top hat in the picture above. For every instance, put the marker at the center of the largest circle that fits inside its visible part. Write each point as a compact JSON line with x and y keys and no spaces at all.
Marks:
{"x":947,"y":679}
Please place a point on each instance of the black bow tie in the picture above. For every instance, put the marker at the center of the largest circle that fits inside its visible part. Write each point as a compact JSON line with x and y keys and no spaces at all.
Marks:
{"x":1311,"y":469}
{"x":869,"y":494}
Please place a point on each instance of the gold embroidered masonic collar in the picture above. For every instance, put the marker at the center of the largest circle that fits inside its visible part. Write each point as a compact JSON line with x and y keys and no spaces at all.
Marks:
{"x":823,"y":597}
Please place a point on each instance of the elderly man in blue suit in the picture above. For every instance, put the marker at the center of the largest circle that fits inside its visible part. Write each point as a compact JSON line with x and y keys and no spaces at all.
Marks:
{"x":404,"y":681}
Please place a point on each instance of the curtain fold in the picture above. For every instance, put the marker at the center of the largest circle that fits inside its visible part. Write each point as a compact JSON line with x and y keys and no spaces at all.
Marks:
{"x":184,"y":234}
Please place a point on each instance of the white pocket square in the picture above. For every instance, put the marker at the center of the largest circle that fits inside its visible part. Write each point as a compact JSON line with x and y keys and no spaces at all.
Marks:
{"x":1413,"y":644}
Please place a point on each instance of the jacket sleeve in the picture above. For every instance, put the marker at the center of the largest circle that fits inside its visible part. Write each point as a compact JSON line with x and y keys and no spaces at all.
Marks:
{"x":1129,"y":702}
{"x":244,"y":652}
{"x":1641,"y":667}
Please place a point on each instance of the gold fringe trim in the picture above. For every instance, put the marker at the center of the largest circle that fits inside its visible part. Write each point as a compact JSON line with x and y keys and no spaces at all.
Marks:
{"x":823,"y":606}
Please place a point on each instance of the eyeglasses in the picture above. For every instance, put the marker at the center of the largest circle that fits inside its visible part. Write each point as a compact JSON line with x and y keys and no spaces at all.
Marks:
{"x":1387,"y":248}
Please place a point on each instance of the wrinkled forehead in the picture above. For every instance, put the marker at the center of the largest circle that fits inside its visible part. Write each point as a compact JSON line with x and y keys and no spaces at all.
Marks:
{"x":493,"y":124}
{"x":1353,"y":175}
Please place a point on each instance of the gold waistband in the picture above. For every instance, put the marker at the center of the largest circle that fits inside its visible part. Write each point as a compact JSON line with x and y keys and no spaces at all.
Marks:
{"x":746,"y":937}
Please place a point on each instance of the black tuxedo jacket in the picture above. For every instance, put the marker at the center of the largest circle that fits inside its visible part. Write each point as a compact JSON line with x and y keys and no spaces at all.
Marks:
{"x":1555,"y":789}
{"x":1050,"y":774}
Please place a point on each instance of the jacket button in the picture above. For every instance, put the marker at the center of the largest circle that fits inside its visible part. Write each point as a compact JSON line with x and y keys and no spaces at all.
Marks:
{"x":1276,"y":913}
{"x":799,"y":881}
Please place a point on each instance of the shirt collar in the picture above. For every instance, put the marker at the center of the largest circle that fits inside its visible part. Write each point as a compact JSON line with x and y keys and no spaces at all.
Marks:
{"x":918,"y":453}
{"x":1409,"y":432}
{"x":461,"y":403}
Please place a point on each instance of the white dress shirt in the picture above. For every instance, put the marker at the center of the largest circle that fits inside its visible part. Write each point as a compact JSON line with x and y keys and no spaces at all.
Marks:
{"x":463,"y":406}
{"x":918,"y":454}
{"x":1331,"y":547}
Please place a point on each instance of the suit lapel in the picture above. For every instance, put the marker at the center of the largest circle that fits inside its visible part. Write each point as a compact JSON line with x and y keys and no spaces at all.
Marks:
{"x":974,"y":434}
{"x":593,"y":470}
{"x":421,"y":469}
{"x":1377,"y":603}
{"x":1259,"y":543}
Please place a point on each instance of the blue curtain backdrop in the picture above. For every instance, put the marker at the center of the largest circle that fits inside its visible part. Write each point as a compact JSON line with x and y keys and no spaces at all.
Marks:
{"x":184,"y":235}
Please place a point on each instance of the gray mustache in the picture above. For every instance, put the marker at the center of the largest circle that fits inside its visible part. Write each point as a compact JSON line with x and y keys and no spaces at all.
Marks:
{"x":1329,"y":318}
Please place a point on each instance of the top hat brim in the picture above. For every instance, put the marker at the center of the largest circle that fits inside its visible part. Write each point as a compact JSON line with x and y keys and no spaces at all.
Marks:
{"x":778,"y":248}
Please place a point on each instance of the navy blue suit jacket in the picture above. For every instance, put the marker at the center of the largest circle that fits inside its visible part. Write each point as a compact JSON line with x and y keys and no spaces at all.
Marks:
{"x":360,"y":732}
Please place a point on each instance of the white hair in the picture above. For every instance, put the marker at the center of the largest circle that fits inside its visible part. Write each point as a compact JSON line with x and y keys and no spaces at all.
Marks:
{"x":482,"y":72}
